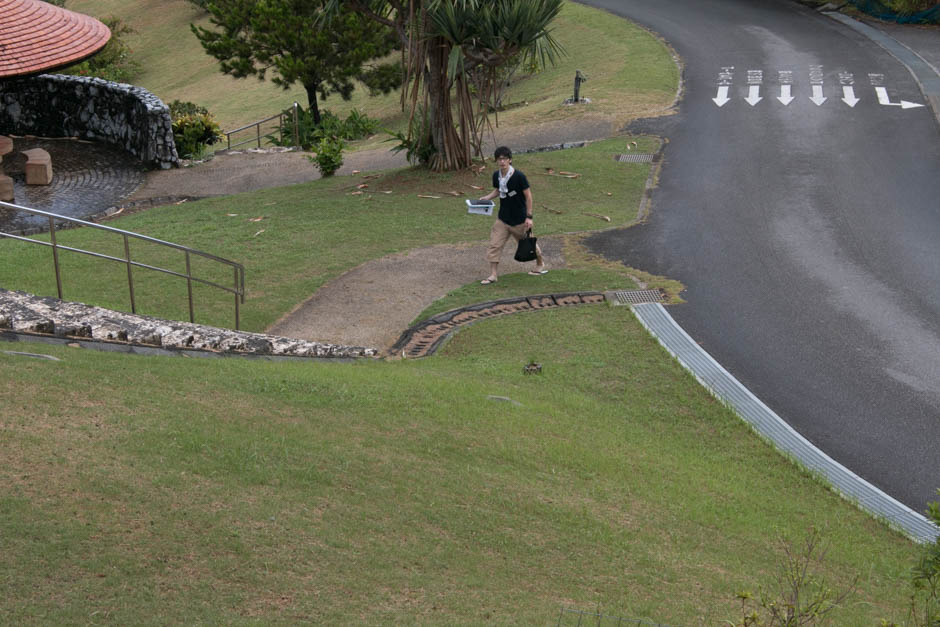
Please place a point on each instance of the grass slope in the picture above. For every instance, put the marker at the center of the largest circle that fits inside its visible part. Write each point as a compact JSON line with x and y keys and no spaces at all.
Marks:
{"x":627,"y":75}
{"x":160,"y":490}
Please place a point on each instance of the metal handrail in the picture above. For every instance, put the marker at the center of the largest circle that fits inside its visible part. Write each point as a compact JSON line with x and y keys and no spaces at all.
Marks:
{"x":238,"y":288}
{"x":257,"y":125}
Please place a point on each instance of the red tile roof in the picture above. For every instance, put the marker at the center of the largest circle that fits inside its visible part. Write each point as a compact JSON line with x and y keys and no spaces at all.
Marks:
{"x":37,"y":37}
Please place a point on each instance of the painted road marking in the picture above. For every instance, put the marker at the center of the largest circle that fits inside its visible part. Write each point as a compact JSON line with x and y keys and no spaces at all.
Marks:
{"x":754,"y":80}
{"x":816,"y":80}
{"x":725,"y":79}
{"x":878,"y":82}
{"x":785,"y":78}
{"x":817,"y":95}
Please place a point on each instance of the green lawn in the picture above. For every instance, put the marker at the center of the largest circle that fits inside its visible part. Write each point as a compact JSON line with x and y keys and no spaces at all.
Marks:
{"x":163,"y":490}
{"x":295,"y":247}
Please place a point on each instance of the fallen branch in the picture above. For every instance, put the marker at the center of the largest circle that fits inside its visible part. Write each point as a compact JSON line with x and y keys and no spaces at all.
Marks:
{"x":597,"y":215}
{"x":558,"y":211}
{"x":427,"y":196}
{"x":569,"y":175}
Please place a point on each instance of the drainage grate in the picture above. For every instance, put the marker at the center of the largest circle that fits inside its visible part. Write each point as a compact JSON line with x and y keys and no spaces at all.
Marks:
{"x":634,"y":158}
{"x":634,"y":297}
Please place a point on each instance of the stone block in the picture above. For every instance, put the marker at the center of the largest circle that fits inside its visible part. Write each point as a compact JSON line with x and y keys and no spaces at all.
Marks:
{"x":6,"y":188}
{"x":6,"y":146}
{"x":38,"y":167}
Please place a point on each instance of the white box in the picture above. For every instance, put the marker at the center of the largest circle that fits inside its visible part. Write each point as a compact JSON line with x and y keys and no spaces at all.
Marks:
{"x":481,"y":207}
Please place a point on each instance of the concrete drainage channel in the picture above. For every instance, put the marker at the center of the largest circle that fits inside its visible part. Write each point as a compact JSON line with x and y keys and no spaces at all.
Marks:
{"x":426,"y":337}
{"x":769,"y":425}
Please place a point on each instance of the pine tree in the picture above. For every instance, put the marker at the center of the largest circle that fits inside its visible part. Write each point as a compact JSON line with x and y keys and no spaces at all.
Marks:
{"x":289,"y":38}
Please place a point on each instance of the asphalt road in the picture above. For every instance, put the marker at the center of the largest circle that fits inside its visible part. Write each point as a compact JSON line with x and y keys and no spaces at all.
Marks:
{"x":807,"y":233}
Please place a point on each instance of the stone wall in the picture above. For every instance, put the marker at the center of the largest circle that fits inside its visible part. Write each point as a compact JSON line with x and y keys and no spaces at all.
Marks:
{"x":25,"y":313}
{"x":56,"y":105}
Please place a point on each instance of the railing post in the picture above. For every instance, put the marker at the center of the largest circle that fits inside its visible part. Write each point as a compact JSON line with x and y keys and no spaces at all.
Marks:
{"x":237,"y":311}
{"x":189,"y":288}
{"x":228,"y":136}
{"x":296,"y":125}
{"x":130,"y":274}
{"x":55,"y":256}
{"x":258,"y":128}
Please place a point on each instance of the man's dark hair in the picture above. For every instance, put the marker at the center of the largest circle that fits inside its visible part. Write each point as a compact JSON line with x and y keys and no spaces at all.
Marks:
{"x":502,"y":151}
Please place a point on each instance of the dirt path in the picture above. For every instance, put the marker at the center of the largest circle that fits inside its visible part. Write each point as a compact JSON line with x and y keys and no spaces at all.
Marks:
{"x":373,"y":303}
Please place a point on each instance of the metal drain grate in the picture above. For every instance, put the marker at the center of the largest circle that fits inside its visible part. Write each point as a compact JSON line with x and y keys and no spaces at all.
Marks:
{"x":634,"y":158}
{"x":635,"y":297}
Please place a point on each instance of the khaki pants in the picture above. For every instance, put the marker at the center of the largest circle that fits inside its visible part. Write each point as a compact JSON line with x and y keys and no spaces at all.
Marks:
{"x":500,"y":234}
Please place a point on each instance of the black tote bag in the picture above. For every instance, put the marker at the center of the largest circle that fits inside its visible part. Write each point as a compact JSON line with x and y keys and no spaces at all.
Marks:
{"x":525,"y":251}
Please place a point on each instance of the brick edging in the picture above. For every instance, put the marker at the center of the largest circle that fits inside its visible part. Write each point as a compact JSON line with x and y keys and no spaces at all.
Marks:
{"x":424,"y":338}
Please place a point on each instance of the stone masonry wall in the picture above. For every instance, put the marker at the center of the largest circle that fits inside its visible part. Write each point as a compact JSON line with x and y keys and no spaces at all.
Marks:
{"x":56,"y":105}
{"x":25,"y":313}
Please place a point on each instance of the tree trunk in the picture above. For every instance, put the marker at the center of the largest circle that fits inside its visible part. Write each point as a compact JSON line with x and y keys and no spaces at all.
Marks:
{"x":452,"y":151}
{"x":312,"y":103}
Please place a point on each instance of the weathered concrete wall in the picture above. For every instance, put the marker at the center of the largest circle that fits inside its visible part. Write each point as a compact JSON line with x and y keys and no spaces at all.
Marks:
{"x":26,"y":313}
{"x":56,"y":105}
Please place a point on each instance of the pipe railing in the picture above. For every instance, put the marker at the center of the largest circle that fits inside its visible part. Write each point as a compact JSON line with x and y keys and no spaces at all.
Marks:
{"x":257,"y":126}
{"x":237,"y":289}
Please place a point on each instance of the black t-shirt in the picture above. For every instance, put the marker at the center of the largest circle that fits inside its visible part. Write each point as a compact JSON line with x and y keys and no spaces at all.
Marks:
{"x":512,"y":207}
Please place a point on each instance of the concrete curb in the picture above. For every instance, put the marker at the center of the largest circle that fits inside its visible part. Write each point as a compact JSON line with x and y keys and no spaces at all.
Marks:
{"x":925,"y":75}
{"x":764,"y":421}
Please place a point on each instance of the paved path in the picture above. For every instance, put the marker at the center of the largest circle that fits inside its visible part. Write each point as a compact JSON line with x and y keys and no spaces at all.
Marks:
{"x":359,"y":308}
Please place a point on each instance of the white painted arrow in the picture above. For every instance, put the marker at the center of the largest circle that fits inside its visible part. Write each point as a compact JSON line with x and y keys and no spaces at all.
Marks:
{"x":785,"y":96}
{"x":818,"y":97}
{"x":753,"y":95}
{"x":885,"y":100}
{"x":848,"y":95}
{"x":722,"y":95}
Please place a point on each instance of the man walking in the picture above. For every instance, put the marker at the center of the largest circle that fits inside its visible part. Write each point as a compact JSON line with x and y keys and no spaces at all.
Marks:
{"x":515,"y":212}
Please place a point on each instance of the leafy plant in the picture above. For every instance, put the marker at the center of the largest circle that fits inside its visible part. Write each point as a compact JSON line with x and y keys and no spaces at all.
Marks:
{"x":925,"y":579}
{"x":194,"y":129}
{"x":801,"y":598}
{"x":356,"y":126}
{"x":417,"y":143}
{"x":909,"y":7}
{"x":329,"y":155}
{"x":113,"y":62}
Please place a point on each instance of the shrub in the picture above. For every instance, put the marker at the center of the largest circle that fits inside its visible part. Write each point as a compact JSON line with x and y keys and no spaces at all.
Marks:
{"x":417,"y":146}
{"x":194,"y":128}
{"x":356,"y":126}
{"x":910,"y":7}
{"x":800,"y":598}
{"x":329,"y":157}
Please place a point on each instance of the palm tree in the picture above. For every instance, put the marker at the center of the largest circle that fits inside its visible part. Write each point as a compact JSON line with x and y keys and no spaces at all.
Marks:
{"x":455,"y":53}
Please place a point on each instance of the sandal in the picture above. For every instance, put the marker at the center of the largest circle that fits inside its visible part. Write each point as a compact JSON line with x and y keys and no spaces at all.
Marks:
{"x":488,"y":281}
